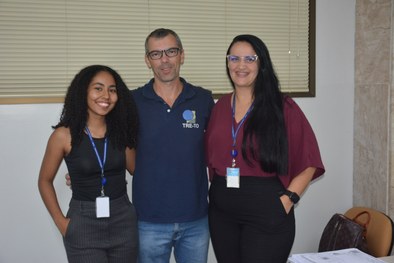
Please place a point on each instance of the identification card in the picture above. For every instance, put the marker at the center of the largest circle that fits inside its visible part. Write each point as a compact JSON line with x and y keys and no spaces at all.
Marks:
{"x":102,"y":206}
{"x":232,"y":177}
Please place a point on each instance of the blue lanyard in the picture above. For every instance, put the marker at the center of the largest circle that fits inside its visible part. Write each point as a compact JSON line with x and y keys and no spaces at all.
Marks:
{"x":101,"y":162}
{"x":234,"y":132}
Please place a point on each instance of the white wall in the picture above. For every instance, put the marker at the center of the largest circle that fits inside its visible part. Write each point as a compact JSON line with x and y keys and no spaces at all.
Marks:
{"x":27,"y":233}
{"x":331,"y":116}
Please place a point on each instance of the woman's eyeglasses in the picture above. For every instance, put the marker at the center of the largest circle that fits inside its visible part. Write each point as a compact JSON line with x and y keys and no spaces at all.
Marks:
{"x":247,"y":59}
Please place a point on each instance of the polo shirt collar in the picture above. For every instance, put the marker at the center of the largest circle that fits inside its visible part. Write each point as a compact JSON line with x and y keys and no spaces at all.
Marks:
{"x":187,"y":91}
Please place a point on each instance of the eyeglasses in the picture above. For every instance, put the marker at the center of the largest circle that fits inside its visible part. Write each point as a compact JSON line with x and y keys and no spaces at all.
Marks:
{"x":158,"y":54}
{"x":247,"y":59}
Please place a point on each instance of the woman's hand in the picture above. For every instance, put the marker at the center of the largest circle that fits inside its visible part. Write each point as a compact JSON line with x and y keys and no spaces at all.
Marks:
{"x":63,"y":225}
{"x":287,"y":203}
{"x":298,"y":185}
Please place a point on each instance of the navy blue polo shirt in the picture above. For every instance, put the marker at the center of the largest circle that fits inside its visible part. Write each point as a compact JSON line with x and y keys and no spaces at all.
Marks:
{"x":170,"y":183}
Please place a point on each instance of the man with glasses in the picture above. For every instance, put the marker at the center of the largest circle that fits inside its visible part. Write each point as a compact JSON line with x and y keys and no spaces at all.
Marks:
{"x":170,"y":184}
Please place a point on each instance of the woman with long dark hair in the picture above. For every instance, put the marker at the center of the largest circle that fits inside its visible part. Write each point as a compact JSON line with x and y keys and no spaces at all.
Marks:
{"x":262,"y":154}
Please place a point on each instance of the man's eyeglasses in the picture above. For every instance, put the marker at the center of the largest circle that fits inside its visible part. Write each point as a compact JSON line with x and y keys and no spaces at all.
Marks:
{"x":247,"y":59}
{"x":158,"y":54}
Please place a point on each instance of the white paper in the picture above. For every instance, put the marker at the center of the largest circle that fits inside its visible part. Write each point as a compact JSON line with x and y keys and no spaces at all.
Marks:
{"x":350,"y":255}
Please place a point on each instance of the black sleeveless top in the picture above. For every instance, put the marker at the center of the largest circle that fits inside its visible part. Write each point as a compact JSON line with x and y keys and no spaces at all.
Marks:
{"x":85,"y":171}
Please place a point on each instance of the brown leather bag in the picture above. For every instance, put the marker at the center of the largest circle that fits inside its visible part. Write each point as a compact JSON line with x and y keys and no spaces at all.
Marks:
{"x":342,"y":232}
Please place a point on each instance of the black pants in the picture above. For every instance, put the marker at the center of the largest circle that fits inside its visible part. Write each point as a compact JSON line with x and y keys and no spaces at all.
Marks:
{"x":249,"y":224}
{"x":102,"y":240}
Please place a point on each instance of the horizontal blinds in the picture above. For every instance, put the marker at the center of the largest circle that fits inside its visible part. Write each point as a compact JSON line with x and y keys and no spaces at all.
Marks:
{"x":283,"y":26}
{"x":44,"y":43}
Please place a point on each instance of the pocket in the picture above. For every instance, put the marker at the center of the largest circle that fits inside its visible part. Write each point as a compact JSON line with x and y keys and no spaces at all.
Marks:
{"x":282,"y":207}
{"x":71,"y":214}
{"x":68,"y":229}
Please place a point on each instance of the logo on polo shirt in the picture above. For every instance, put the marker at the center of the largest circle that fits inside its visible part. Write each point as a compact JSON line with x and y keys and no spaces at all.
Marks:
{"x":190,"y":117}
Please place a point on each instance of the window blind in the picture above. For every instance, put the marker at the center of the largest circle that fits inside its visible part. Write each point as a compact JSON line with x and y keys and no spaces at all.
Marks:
{"x":44,"y":43}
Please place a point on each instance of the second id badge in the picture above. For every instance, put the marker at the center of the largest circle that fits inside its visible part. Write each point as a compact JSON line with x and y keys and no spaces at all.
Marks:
{"x":232,"y":176}
{"x":102,"y":206}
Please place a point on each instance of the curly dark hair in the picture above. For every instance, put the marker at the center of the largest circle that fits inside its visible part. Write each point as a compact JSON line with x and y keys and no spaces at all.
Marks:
{"x":265,"y":126}
{"x":122,"y":121}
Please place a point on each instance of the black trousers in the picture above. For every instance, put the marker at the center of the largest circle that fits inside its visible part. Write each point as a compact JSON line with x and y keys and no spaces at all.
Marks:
{"x":249,"y":224}
{"x":102,"y":240}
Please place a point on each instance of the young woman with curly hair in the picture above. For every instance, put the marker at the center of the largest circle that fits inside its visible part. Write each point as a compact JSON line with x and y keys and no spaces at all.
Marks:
{"x":96,"y":137}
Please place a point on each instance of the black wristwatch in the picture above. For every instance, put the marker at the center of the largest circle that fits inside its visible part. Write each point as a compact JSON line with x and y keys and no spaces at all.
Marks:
{"x":294,"y":197}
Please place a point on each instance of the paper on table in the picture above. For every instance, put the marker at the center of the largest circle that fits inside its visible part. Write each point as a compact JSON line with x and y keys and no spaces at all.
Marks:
{"x":350,"y":255}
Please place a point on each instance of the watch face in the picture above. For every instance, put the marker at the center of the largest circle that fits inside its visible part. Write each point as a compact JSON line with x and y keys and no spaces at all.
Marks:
{"x":295,"y":199}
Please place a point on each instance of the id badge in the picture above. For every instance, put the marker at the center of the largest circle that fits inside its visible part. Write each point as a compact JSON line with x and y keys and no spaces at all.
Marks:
{"x":232,"y":177}
{"x":102,"y":206}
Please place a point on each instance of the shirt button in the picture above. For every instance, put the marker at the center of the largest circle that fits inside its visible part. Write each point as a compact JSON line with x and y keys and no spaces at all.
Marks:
{"x":168,"y":110}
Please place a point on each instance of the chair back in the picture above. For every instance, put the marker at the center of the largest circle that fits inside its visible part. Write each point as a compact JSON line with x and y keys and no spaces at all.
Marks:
{"x":379,"y":230}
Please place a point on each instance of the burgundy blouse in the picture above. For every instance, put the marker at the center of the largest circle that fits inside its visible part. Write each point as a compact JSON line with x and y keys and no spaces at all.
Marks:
{"x":302,"y":144}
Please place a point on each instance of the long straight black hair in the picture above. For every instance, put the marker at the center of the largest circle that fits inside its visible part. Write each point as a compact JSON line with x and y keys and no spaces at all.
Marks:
{"x":265,"y":137}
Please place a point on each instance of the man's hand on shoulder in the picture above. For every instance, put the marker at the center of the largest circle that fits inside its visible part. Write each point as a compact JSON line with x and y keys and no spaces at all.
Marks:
{"x":68,"y":180}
